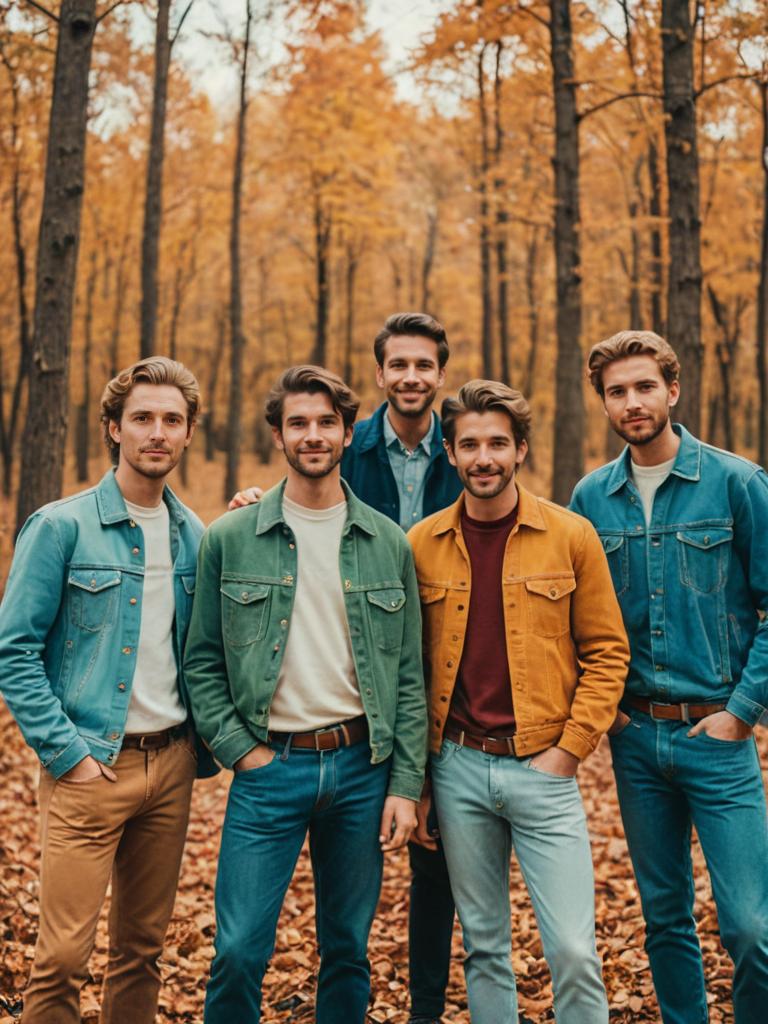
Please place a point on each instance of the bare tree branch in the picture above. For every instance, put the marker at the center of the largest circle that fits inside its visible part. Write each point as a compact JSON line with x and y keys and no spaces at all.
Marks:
{"x":615,"y":99}
{"x":43,"y":10}
{"x":746,"y":77}
{"x":175,"y":35}
{"x":102,"y":16}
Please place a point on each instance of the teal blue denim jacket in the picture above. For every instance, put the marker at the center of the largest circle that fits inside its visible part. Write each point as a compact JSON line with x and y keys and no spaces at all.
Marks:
{"x":693,"y":585}
{"x":70,"y":619}
{"x":246,"y":584}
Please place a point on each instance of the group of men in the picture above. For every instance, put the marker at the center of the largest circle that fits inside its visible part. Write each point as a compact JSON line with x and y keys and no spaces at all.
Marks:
{"x":294,"y":649}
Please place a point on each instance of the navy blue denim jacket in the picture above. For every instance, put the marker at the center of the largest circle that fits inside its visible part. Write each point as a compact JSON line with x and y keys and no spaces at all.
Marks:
{"x":366,"y":468}
{"x":70,"y":619}
{"x":693,"y":586}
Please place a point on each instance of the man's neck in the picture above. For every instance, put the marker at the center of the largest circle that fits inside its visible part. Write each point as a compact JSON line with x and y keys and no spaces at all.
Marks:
{"x":314,"y":492}
{"x":147,"y":492}
{"x":487,"y":510}
{"x":660,"y":449}
{"x":411,"y":430}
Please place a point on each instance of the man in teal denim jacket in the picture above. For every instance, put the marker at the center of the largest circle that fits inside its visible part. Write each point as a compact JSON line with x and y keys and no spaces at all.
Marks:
{"x":304,"y":671}
{"x":685,"y":529}
{"x":92,"y":627}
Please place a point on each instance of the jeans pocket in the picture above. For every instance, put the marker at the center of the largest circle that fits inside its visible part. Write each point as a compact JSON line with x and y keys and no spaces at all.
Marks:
{"x":447,"y":751}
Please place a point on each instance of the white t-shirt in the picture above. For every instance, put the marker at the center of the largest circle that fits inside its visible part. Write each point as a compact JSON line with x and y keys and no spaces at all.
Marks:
{"x":648,"y":479}
{"x":317,"y":685}
{"x":155,"y":702}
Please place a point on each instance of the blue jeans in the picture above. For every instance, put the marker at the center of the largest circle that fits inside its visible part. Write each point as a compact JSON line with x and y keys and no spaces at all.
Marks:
{"x":487,"y":805}
{"x":667,"y":782}
{"x":338,"y":796}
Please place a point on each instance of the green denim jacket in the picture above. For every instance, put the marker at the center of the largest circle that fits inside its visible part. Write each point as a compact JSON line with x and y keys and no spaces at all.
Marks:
{"x":241,"y":619}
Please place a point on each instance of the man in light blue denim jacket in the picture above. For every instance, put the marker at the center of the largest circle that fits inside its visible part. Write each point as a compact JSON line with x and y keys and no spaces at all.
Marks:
{"x":685,"y":529}
{"x":92,"y":628}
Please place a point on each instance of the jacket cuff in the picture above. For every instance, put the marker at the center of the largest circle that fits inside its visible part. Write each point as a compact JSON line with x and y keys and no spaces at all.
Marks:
{"x":407,"y":785}
{"x":67,"y":758}
{"x":234,"y":746}
{"x":744,"y":708}
{"x":574,"y":741}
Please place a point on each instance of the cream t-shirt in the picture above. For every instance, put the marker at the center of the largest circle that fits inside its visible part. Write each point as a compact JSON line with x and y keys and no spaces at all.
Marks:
{"x":317,"y":685}
{"x":648,"y":479}
{"x":155,"y":702}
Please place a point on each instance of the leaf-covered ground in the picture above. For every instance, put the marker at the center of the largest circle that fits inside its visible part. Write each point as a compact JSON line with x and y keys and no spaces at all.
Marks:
{"x":290,"y":981}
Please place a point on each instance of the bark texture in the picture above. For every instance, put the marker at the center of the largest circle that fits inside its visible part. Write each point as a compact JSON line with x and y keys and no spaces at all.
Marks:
{"x":684,"y":281}
{"x":568,"y":460}
{"x":45,"y":430}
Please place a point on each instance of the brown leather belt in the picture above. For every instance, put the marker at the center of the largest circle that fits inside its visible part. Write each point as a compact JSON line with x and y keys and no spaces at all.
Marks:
{"x":154,"y":740}
{"x":502,"y":746}
{"x":674,"y":712}
{"x":345,"y":734}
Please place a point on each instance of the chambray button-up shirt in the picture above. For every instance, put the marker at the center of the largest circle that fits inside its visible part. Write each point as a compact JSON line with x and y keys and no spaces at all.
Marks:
{"x":410,"y":472}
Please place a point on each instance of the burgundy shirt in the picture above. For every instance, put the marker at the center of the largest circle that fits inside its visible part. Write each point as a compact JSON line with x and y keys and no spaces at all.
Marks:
{"x":482,"y":698}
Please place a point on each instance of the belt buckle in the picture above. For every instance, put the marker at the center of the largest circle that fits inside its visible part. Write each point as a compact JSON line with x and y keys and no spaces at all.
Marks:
{"x":684,"y":716}
{"x":141,"y":742}
{"x":657,"y":704}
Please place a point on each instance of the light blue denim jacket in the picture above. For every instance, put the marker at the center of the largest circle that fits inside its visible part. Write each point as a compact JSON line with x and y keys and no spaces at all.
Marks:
{"x":692,"y":586}
{"x":70,"y":619}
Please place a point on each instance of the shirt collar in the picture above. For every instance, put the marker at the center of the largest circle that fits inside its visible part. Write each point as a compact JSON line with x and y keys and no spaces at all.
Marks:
{"x":687,"y":461}
{"x":392,"y":440}
{"x":271,"y":511}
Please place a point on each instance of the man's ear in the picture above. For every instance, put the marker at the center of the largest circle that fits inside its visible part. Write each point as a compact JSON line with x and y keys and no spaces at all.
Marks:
{"x":114,"y":431}
{"x":449,"y":452}
{"x":674,"y":393}
{"x":348,"y":432}
{"x":522,"y":451}
{"x":277,"y":438}
{"x":379,"y":376}
{"x":190,"y":432}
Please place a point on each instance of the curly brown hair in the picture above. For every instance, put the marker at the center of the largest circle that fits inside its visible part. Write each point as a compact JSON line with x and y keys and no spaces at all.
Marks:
{"x":631,"y":343}
{"x":487,"y":396}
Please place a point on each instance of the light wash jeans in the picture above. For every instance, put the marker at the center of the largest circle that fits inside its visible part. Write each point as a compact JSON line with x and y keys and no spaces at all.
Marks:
{"x":485,"y":806}
{"x":668,"y":781}
{"x":336,"y":795}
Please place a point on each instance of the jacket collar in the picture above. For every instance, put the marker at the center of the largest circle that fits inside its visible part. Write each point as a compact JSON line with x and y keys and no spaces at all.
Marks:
{"x":271,"y":511}
{"x":528,"y":513}
{"x":111,"y":503}
{"x":687,"y":463}
{"x":371,"y":432}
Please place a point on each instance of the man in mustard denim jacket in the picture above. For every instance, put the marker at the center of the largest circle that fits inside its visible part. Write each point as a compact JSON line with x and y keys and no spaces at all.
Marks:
{"x":304,"y":670}
{"x":525,"y":657}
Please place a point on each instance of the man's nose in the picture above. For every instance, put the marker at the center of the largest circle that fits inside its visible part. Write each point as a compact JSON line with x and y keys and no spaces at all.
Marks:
{"x":313,"y":433}
{"x":410,"y":373}
{"x":158,"y":427}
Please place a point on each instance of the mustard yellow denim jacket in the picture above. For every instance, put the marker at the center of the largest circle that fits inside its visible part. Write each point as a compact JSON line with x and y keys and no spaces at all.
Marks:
{"x":566,"y":643}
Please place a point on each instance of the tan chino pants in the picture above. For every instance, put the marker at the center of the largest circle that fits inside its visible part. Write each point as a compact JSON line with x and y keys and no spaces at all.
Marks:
{"x":133,"y":831}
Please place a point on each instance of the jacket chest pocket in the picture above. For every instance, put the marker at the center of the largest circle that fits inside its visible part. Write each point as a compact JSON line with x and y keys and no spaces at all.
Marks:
{"x":549,"y":605}
{"x":245,"y":612}
{"x":385,"y":609}
{"x":93,"y":595}
{"x":617,"y":552}
{"x":703,"y":556}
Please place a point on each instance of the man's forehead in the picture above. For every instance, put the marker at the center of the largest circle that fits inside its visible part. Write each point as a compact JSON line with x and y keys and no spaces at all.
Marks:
{"x":492,"y":423}
{"x":308,"y":403}
{"x":155,"y":397}
{"x":410,"y":346}
{"x":631,"y":369}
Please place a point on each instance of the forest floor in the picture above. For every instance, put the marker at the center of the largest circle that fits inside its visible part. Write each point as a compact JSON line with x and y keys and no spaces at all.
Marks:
{"x":289,"y":984}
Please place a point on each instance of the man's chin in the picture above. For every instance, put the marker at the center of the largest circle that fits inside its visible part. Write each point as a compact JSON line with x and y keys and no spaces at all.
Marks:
{"x":411,"y":411}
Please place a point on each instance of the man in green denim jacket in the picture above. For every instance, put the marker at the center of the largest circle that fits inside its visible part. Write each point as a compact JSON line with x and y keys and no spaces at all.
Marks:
{"x":304,"y":670}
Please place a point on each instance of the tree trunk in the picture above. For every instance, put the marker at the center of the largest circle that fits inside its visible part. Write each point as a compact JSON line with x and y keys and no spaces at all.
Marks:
{"x":486,"y":328}
{"x":9,"y":426}
{"x":82,"y":422}
{"x":568,"y":460}
{"x":45,"y":430}
{"x":153,"y":205}
{"x":349,"y":325}
{"x":216,"y":357}
{"x":428,"y":260}
{"x":684,"y":285}
{"x":657,"y":265}
{"x":502,"y":217}
{"x":531,"y":262}
{"x":762,"y":295}
{"x":322,"y":280}
{"x":237,"y":340}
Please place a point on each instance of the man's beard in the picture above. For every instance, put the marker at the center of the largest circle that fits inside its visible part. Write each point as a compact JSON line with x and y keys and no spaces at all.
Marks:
{"x":412,"y":411}
{"x":314,"y":472}
{"x":658,"y":428}
{"x":502,"y":482}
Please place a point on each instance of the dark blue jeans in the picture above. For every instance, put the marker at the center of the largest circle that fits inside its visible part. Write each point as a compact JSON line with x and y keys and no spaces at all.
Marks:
{"x":667,"y":782}
{"x":430,"y":927}
{"x":338,"y":796}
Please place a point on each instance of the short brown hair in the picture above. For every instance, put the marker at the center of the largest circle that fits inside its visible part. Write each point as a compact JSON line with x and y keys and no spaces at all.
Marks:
{"x":154,"y":370}
{"x":487,"y":396}
{"x":423,"y":324}
{"x":631,"y":343}
{"x":310,"y":380}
